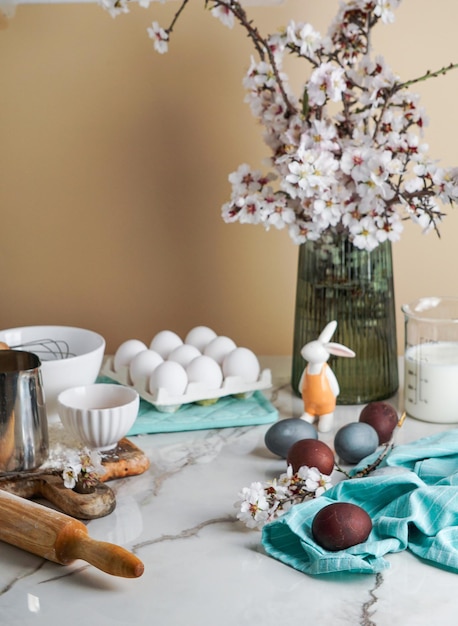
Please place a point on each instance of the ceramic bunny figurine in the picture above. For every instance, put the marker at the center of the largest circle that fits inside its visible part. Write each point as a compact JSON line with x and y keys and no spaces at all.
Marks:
{"x":318,"y":383}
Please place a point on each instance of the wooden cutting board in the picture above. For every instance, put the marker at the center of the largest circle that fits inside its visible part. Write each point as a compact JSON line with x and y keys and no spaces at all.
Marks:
{"x":125,"y":460}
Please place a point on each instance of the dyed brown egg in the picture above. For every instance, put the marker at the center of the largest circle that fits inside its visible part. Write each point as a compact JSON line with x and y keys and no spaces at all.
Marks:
{"x":313,"y":453}
{"x":382,"y":417}
{"x":341,"y":525}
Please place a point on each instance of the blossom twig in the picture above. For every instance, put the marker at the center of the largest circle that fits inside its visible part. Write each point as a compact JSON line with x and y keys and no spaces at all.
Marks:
{"x":82,"y":472}
{"x":263,"y":502}
{"x":427,"y":75}
{"x":177,"y":15}
{"x":373,"y":466}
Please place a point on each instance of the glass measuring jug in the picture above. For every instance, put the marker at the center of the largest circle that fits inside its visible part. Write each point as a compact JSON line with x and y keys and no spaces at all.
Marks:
{"x":431,"y":359}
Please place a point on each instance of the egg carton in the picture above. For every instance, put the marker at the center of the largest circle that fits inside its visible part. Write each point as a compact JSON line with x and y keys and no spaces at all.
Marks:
{"x":195,"y":392}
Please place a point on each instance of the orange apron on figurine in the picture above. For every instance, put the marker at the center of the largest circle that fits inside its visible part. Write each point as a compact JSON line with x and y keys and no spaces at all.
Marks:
{"x":318,"y":383}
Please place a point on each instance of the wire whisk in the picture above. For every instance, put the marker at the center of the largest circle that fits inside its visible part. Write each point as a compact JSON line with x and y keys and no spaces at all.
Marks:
{"x":47,"y":349}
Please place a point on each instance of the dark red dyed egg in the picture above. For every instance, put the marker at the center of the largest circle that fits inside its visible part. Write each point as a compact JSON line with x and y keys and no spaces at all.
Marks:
{"x":382,"y":417}
{"x":341,"y":525}
{"x":313,"y":453}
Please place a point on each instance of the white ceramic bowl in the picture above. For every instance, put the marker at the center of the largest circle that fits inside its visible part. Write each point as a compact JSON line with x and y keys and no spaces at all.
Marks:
{"x":98,"y":415}
{"x":59,"y":371}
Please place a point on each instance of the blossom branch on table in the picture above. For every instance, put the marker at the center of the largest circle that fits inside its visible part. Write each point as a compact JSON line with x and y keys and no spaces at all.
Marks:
{"x":386,"y":449}
{"x":263,"y":502}
{"x":83,"y":470}
{"x":361,"y":170}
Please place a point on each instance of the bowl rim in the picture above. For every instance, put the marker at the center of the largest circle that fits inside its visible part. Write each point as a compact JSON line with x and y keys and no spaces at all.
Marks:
{"x":132,"y":396}
{"x":46,"y":327}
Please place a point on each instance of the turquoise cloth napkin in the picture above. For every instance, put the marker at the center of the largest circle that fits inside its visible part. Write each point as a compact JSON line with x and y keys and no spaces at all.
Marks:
{"x":432,"y":458}
{"x":413,"y":505}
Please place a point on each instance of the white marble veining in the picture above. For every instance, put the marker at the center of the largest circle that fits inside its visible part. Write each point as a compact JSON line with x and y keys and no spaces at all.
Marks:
{"x":202,"y":566}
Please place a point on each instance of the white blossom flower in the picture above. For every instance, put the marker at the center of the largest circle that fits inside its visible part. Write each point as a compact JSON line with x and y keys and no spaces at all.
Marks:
{"x":245,"y":180}
{"x":390,"y":227}
{"x":326,"y":82}
{"x":229,"y":212}
{"x":253,"y":506}
{"x":327,"y":211}
{"x":275,"y":211}
{"x":414,"y":184}
{"x":249,"y":209}
{"x":311,"y":174}
{"x":260,"y":75}
{"x":83,"y":466}
{"x":364,"y":233}
{"x":160,"y":38}
{"x":445,"y":182}
{"x":70,"y":475}
{"x":305,"y":37}
{"x":115,"y":7}
{"x":317,"y":482}
{"x":298,"y":233}
{"x":355,"y":162}
{"x":224,"y":14}
{"x":322,"y":135}
{"x":384,"y":9}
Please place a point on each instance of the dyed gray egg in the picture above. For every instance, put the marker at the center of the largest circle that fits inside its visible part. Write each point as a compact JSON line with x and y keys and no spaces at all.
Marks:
{"x":355,"y":441}
{"x":281,"y":435}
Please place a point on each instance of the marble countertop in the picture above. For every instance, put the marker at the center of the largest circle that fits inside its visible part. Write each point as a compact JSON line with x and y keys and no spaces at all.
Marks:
{"x":202,"y":565}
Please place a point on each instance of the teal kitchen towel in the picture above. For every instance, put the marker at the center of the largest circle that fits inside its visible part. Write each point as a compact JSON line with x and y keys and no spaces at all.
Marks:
{"x":408,"y":511}
{"x":432,"y":458}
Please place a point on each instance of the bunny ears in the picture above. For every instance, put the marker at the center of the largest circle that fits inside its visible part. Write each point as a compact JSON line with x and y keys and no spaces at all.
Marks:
{"x":336,"y":349}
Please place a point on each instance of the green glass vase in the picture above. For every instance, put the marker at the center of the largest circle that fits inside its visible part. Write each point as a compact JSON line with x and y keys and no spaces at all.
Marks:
{"x":336,"y":281}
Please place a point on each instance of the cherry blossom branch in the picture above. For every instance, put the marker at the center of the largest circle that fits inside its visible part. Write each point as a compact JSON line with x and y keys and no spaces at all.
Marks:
{"x":354,"y":170}
{"x":373,"y":466}
{"x":260,"y":43}
{"x":177,"y":16}
{"x":441,"y":72}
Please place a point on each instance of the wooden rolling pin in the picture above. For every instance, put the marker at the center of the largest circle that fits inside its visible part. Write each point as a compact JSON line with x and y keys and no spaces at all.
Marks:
{"x":60,"y":538}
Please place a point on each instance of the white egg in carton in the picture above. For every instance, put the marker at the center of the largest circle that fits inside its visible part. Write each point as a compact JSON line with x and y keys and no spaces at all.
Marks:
{"x":201,"y":369}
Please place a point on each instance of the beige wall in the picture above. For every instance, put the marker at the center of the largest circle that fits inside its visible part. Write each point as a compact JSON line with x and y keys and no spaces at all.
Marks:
{"x":114,"y":164}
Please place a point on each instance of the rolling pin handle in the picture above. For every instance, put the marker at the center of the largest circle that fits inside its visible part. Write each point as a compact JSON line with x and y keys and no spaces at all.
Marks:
{"x":108,"y":557}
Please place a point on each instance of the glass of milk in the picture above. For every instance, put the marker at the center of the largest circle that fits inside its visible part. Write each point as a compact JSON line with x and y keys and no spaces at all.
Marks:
{"x":431,"y":359}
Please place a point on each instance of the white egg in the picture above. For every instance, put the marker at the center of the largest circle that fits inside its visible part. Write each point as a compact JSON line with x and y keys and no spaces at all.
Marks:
{"x":219,"y":347}
{"x":242,"y":362}
{"x":170,"y":376}
{"x":143,"y":365}
{"x":126,"y":352}
{"x":205,"y":370}
{"x":200,"y":336}
{"x":184,"y":354}
{"x":164,"y":342}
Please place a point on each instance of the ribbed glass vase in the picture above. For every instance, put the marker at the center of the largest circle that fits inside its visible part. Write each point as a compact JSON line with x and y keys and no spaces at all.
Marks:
{"x":336,"y":281}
